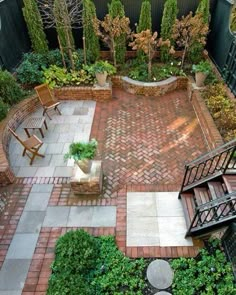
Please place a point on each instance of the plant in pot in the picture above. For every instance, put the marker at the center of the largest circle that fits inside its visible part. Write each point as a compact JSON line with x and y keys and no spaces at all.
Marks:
{"x":82,"y":153}
{"x":201,"y":71}
{"x":101,"y":70}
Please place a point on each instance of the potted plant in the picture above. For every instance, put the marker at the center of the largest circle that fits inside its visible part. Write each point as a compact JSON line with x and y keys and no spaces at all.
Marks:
{"x":82,"y":153}
{"x":201,"y":71}
{"x":101,"y":70}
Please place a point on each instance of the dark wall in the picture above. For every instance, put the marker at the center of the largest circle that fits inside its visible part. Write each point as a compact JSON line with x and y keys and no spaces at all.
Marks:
{"x":13,"y":34}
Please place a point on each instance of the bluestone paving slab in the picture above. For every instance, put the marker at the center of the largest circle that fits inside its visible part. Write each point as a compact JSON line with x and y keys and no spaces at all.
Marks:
{"x":37,"y":201}
{"x":54,"y":148}
{"x":104,"y":216}
{"x":56,"y":216}
{"x":84,"y":137}
{"x":142,"y":231}
{"x":42,"y":162}
{"x":42,"y":188}
{"x":58,"y":160}
{"x":168,"y":204}
{"x":160,"y":274}
{"x":13,"y":274}
{"x":45,"y":171}
{"x":27,"y":171}
{"x":66,"y":137}
{"x":80,"y":216}
{"x":12,"y":292}
{"x":30,"y":222}
{"x":172,"y":232}
{"x":141,"y":204}
{"x":22,"y":246}
{"x":63,"y":172}
{"x":50,"y":137}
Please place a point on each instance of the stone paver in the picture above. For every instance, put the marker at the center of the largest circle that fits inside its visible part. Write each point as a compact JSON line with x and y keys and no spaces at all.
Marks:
{"x":13,"y":274}
{"x":37,"y":202}
{"x":30,"y":222}
{"x":56,"y":216}
{"x":42,"y":188}
{"x":160,"y":274}
{"x":162,"y":293}
{"x":22,"y":246}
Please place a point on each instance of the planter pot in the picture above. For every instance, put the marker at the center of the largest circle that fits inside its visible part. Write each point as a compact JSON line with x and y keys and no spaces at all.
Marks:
{"x":84,"y":165}
{"x":200,"y":79}
{"x":101,"y":78}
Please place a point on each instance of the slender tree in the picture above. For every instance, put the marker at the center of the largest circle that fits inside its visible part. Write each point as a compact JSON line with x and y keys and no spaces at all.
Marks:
{"x":35,"y":26}
{"x":145,"y":18}
{"x":91,"y":39}
{"x":116,"y":9}
{"x":204,"y":10}
{"x":167,"y":23}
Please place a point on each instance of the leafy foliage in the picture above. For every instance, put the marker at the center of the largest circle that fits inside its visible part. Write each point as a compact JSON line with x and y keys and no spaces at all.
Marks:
{"x":204,"y":10}
{"x":208,"y":274}
{"x":57,"y":77}
{"x":91,"y":39}
{"x":82,"y":150}
{"x":10,"y":91}
{"x":3,"y":113}
{"x":204,"y":67}
{"x":116,"y":10}
{"x":93,"y":266}
{"x":103,"y":66}
{"x":145,"y":18}
{"x":188,"y":31}
{"x":167,"y":23}
{"x":233,"y":20}
{"x":35,"y":26}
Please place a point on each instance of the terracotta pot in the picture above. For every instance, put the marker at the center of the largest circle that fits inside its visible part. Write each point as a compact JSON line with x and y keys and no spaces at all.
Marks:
{"x":101,"y":78}
{"x":84,"y":165}
{"x":200,"y":79}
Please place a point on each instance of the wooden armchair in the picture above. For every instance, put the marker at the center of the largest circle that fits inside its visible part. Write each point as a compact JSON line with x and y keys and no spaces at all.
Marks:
{"x":46,"y":99}
{"x":31,"y":146}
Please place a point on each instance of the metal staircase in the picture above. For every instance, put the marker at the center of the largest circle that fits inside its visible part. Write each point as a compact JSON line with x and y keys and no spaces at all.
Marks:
{"x":208,"y":192}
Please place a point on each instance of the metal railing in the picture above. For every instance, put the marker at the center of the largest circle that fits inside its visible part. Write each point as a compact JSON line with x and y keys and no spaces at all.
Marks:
{"x":209,"y":165}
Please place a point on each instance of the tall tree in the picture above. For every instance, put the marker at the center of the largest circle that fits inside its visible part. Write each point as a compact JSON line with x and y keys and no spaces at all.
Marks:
{"x":35,"y":26}
{"x":204,"y":10}
{"x":167,"y":23}
{"x":145,"y":18}
{"x":116,"y":9}
{"x":91,"y":39}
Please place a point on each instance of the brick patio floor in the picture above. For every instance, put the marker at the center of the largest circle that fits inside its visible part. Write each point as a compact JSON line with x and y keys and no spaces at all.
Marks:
{"x":144,"y":143}
{"x":146,"y":140}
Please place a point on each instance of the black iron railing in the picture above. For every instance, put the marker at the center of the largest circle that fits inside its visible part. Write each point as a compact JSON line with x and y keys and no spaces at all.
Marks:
{"x":210,"y":165}
{"x":214,"y":212}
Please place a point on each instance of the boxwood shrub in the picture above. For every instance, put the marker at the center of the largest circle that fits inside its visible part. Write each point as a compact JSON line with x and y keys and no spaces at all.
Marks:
{"x":87,"y":265}
{"x":3,"y":109}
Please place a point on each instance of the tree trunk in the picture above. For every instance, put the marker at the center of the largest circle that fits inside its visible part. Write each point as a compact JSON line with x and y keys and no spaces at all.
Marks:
{"x":149,"y":63}
{"x":184,"y":53}
{"x":114,"y":51}
{"x":62,"y":52}
{"x":84,"y":50}
{"x":69,"y":45}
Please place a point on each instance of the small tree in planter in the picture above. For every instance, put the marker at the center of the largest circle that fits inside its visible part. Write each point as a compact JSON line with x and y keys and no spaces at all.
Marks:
{"x":148,"y":42}
{"x":188,"y":31}
{"x":111,"y":28}
{"x":201,"y":71}
{"x":82,"y":153}
{"x":102,"y":69}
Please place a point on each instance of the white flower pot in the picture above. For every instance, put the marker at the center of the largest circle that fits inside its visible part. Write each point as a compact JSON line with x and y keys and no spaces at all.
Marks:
{"x":84,"y":165}
{"x":101,"y":78}
{"x":200,"y":79}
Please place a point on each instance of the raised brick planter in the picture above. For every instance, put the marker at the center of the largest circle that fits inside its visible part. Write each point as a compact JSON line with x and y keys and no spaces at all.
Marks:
{"x":154,"y":88}
{"x":15,"y":117}
{"x":84,"y":93}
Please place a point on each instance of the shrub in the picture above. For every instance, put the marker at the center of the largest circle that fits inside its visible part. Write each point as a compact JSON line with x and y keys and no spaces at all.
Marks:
{"x":82,"y":150}
{"x":10,"y":91}
{"x":145,"y":18}
{"x":208,"y":274}
{"x":35,"y":26}
{"x":3,"y":109}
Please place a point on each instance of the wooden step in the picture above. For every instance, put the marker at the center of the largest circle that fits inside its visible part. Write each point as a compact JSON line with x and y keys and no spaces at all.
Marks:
{"x":189,"y":207}
{"x":230,"y":182}
{"x":216,"y":189}
{"x":202,"y":195}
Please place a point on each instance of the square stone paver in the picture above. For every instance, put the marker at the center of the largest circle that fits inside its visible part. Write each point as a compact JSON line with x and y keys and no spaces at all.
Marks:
{"x":55,"y":148}
{"x":168,"y":204}
{"x":37,"y":202}
{"x":22,"y":246}
{"x":142,"y":231}
{"x":141,"y":204}
{"x":172,"y":232}
{"x":58,"y":160}
{"x":13,"y":274}
{"x":45,"y":172}
{"x":63,"y":172}
{"x":30,"y":222}
{"x":12,"y":292}
{"x":42,"y":188}
{"x":104,"y":216}
{"x":27,"y":171}
{"x":56,"y":216}
{"x":81,"y":216}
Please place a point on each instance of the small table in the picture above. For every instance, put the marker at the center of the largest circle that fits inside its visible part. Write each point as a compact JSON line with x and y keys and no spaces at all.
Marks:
{"x":35,"y":123}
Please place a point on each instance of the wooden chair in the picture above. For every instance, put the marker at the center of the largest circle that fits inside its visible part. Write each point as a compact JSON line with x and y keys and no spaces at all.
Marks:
{"x":46,"y":99}
{"x":31,"y":146}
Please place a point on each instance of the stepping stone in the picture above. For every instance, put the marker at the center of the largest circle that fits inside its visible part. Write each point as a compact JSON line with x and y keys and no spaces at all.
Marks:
{"x":159,"y":274}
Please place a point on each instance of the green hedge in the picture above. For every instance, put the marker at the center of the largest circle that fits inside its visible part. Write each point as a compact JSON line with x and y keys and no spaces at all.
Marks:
{"x":87,"y":265}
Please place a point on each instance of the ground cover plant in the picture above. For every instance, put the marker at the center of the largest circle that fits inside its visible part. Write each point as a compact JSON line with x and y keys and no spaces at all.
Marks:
{"x":207,"y":274}
{"x":93,"y":266}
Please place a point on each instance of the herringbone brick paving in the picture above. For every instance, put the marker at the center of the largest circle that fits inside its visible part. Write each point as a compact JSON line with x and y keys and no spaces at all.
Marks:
{"x":146,"y":140}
